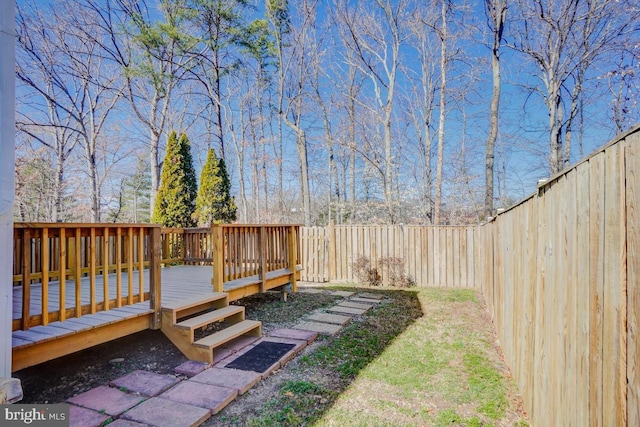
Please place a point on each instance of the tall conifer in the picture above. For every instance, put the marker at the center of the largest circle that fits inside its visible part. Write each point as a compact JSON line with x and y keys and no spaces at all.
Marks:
{"x":214,"y":203}
{"x":175,"y":202}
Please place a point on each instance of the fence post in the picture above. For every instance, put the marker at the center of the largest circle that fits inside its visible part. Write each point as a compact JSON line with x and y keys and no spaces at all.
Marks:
{"x":155,"y":289}
{"x":292,"y":249}
{"x":217,"y":258}
{"x":331,"y":261}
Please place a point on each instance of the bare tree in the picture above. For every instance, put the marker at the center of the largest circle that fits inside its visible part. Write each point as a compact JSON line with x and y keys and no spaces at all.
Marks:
{"x":565,"y":39}
{"x":77,"y":81}
{"x":153,"y":55}
{"x":496,"y":11}
{"x":374,"y":33}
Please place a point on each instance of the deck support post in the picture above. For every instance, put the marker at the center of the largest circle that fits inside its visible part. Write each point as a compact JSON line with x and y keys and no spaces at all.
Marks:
{"x":155,"y":258}
{"x":292,"y":250}
{"x":10,"y":389}
{"x":217,"y":257}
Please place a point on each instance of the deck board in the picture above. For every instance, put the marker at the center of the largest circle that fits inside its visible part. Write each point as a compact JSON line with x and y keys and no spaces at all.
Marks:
{"x":177,"y":284}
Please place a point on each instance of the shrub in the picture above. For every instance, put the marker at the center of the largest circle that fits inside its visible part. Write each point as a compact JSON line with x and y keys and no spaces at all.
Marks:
{"x":366,"y":274}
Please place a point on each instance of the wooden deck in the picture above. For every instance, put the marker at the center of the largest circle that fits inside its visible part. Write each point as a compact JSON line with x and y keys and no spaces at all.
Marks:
{"x":42,"y":343}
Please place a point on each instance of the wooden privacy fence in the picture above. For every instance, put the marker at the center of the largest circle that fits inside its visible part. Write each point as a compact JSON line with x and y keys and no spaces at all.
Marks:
{"x":563,"y":286}
{"x":61,"y":257}
{"x":432,"y":256}
{"x":560,"y":273}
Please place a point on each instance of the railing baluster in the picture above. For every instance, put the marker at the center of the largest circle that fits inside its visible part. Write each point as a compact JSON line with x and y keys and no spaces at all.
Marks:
{"x":119,"y":267}
{"x":92,"y":269}
{"x":129,"y":255}
{"x":141,"y":263}
{"x":44,"y":244}
{"x":78,"y":271}
{"x":26,"y":279}
{"x":63,"y":274}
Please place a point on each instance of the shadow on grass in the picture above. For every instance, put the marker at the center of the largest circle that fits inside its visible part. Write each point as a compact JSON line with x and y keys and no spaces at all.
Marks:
{"x":317,"y":379}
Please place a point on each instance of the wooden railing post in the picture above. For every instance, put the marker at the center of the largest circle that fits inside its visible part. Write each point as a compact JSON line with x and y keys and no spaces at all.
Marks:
{"x":262,"y":257}
{"x":217,"y":257}
{"x":155,"y":258}
{"x":292,"y":249}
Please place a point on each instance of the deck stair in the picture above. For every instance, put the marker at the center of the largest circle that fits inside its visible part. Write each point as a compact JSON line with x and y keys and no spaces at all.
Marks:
{"x":182,"y":318}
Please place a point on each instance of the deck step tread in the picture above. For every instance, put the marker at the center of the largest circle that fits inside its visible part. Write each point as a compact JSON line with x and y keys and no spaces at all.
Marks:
{"x":227,"y":334}
{"x":210,"y":317}
{"x":186,"y":303}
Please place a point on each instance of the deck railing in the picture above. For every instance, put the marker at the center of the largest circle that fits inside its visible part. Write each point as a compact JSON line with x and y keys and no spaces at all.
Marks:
{"x":111,"y":260}
{"x":66,"y":255}
{"x":241,"y":251}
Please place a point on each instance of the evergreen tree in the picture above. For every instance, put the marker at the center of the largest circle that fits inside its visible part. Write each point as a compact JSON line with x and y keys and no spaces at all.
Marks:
{"x":175,"y":202}
{"x":215,"y":203}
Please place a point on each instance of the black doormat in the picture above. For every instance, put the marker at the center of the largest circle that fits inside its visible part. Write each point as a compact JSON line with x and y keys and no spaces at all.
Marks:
{"x":260,"y":357}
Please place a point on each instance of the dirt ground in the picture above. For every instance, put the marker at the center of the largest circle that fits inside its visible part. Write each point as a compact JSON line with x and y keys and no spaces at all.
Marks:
{"x":65,"y":377}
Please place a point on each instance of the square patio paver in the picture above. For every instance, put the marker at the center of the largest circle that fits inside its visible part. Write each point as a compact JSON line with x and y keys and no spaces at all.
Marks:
{"x":335,"y":319}
{"x":83,"y":417}
{"x":167,"y":413}
{"x":143,"y":382}
{"x":233,"y":378}
{"x":347,"y":310}
{"x":206,"y":396}
{"x":107,"y":400}
{"x":323,"y":328}
{"x":295,"y":334}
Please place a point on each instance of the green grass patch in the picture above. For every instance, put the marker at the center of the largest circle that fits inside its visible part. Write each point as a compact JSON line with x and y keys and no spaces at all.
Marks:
{"x":418,"y":358}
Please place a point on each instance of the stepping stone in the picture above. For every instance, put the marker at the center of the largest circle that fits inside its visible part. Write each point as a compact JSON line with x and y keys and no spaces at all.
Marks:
{"x":329,"y":318}
{"x":191,"y":368}
{"x":143,"y":382}
{"x":310,"y":291}
{"x":233,"y":378}
{"x":355,"y":305}
{"x":295,"y":334}
{"x":239,"y":343}
{"x":207,"y":396}
{"x":364,"y":300}
{"x":323,"y":328}
{"x":347,"y":310}
{"x":126,"y":423}
{"x":342,"y":293}
{"x":167,"y":413}
{"x":371,"y":295}
{"x":106,"y":400}
{"x":82,"y":417}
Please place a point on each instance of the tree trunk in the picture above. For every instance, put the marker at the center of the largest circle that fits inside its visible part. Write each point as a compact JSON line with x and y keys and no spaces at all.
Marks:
{"x":498,"y":13}
{"x":443,"y":85}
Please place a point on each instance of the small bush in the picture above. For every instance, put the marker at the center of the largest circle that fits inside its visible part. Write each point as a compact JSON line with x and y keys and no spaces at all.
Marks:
{"x":366,"y":274}
{"x":370,"y":276}
{"x":395,"y":269}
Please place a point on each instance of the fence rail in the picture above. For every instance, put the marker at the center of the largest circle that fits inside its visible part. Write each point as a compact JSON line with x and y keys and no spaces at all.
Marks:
{"x":57,"y":255}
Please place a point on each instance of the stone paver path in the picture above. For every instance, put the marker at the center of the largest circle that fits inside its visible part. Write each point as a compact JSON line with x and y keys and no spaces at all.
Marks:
{"x":199,"y":390}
